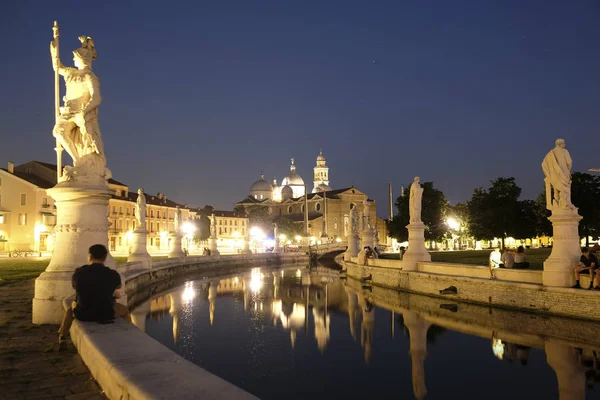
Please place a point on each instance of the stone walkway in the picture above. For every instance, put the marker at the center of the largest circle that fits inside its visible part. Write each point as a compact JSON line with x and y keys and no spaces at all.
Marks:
{"x":30,"y":365}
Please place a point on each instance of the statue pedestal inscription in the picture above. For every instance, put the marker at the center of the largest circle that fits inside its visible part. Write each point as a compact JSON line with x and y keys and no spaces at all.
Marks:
{"x":566,"y":250}
{"x":416,"y":247}
{"x":81,"y":222}
{"x":139,"y":250}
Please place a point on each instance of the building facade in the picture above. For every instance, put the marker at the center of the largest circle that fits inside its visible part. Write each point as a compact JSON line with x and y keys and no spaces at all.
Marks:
{"x":28,"y":213}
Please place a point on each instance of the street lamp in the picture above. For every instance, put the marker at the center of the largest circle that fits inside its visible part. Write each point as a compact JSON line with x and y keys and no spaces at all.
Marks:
{"x":189,"y":230}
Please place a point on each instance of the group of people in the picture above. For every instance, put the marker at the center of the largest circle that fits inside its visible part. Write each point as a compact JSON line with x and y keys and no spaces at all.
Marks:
{"x":509,"y":258}
{"x":206,"y":251}
{"x":588,"y":264}
{"x":370,"y":253}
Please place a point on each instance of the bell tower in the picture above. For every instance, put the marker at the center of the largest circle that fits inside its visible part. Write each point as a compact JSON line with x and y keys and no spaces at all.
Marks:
{"x":321,"y":172}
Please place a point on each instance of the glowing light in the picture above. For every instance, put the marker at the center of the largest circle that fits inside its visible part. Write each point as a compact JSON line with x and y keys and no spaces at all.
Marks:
{"x":269,"y":243}
{"x":282,"y":237}
{"x":236,"y":234}
{"x":257,"y":232}
{"x":298,"y":273}
{"x":163,"y":234}
{"x":338,"y":240}
{"x":298,"y":238}
{"x":498,"y":348}
{"x":129,"y":235}
{"x":453,"y":224}
{"x":188,"y":293}
{"x":39,"y":229}
{"x":188,"y":229}
{"x":255,"y":280}
{"x":288,"y":242}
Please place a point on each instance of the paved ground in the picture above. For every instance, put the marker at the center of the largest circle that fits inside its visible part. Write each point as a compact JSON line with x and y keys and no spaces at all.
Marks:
{"x":30,"y":365}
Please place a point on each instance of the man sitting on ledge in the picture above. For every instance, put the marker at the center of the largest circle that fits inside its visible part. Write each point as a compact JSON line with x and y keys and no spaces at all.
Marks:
{"x":587,"y":264}
{"x":95,"y":285}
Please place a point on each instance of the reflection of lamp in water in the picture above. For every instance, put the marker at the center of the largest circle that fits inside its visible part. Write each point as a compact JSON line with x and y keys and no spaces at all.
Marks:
{"x":188,"y":293}
{"x":255,"y":280}
{"x":212,"y":298}
{"x":498,"y":348}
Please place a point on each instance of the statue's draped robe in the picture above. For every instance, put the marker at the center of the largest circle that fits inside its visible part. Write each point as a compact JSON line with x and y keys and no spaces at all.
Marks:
{"x":556,"y":169}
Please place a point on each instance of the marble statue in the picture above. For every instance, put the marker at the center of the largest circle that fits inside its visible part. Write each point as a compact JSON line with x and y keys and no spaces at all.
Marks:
{"x":177,"y":218}
{"x":140,"y":209}
{"x":353,"y":221}
{"x":416,"y":198}
{"x":77,"y":128}
{"x":557,"y":176}
{"x":213,"y":226}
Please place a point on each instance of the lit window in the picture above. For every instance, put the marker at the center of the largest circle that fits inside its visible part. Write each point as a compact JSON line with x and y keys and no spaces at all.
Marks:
{"x":22,"y":219}
{"x":128,"y":211}
{"x":152,"y":227}
{"x":114,"y":209}
{"x":127,"y":224}
{"x":120,"y":210}
{"x":1,"y":219}
{"x":152,"y":213}
{"x":23,"y":200}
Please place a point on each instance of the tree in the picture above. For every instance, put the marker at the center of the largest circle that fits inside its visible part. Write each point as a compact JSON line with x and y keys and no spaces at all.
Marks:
{"x":433,"y":214}
{"x":530,"y":219}
{"x":258,"y":216}
{"x":289,"y":228}
{"x":240,"y":210}
{"x":585,"y":195}
{"x":493,"y":213}
{"x":202,"y":227}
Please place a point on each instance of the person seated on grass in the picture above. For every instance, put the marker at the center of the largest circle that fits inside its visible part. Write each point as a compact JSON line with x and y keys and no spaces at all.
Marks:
{"x":508,"y":258}
{"x":520,"y":257}
{"x":587,"y":265}
{"x":95,"y":287}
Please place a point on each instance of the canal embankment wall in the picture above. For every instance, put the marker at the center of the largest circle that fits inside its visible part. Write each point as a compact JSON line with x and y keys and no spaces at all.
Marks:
{"x":128,"y":364}
{"x":520,"y":290}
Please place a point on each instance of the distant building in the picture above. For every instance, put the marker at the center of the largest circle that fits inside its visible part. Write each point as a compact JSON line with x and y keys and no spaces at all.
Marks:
{"x":28,"y":213}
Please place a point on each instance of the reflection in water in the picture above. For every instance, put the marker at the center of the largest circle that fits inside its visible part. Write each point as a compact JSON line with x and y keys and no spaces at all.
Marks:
{"x":257,"y":308}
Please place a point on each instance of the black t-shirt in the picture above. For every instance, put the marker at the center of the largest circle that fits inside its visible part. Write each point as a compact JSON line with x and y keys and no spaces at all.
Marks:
{"x":588,"y":261}
{"x":95,"y":285}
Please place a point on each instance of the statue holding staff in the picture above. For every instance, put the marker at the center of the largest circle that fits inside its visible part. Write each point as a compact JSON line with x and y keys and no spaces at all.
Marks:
{"x":76,"y":128}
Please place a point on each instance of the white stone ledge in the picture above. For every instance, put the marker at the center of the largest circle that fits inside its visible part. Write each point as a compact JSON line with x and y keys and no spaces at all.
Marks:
{"x":474,"y":271}
{"x":128,"y":364}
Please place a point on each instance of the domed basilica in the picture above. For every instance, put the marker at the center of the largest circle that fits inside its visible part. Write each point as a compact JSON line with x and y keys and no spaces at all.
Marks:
{"x":328,"y":210}
{"x":292,"y":185}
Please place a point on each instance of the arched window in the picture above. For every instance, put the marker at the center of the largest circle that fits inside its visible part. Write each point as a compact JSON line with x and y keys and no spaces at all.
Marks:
{"x":318,"y":207}
{"x":289,"y":209}
{"x":302,"y":208}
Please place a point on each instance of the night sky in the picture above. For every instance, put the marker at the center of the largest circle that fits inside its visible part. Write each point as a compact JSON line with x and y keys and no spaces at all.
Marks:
{"x":199,"y":97}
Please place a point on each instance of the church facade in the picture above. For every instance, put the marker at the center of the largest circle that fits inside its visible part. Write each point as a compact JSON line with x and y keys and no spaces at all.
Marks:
{"x":328,"y":209}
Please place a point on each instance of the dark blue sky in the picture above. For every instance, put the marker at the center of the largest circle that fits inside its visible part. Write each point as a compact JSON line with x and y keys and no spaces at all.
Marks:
{"x":200,"y":96}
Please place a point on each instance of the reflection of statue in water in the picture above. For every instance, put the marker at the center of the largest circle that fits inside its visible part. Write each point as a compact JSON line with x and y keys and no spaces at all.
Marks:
{"x":416,"y":197}
{"x":77,"y":127}
{"x":366,"y":332}
{"x":557,"y":171}
{"x":140,"y":209}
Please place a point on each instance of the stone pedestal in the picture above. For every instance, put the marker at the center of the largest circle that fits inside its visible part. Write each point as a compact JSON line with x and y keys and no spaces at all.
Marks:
{"x":366,"y":239}
{"x":82,"y":221}
{"x":352,"y":250}
{"x":176,"y":250}
{"x":569,"y":373}
{"x":139,"y":251}
{"x":416,"y":247}
{"x":246,"y":248}
{"x":566,"y":250}
{"x":212,"y":245}
{"x":276,"y":247}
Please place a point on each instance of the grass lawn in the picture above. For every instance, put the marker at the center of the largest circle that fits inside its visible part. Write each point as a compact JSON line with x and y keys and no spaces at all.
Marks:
{"x":21,"y":269}
{"x":536,"y":257}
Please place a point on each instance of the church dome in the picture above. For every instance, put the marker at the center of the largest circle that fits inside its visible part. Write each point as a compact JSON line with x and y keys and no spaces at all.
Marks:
{"x":321,"y":157}
{"x":261,"y":189}
{"x":322,"y":188}
{"x":293,"y":179}
{"x":286,"y":192}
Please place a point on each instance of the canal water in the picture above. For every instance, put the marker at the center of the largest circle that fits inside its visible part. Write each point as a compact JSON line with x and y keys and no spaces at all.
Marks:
{"x":306,"y":333}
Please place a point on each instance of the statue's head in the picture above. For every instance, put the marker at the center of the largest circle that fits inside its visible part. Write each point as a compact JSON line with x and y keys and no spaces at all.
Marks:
{"x":140,"y":192}
{"x":560,"y":143}
{"x":83,"y":56}
{"x":417,"y":179}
